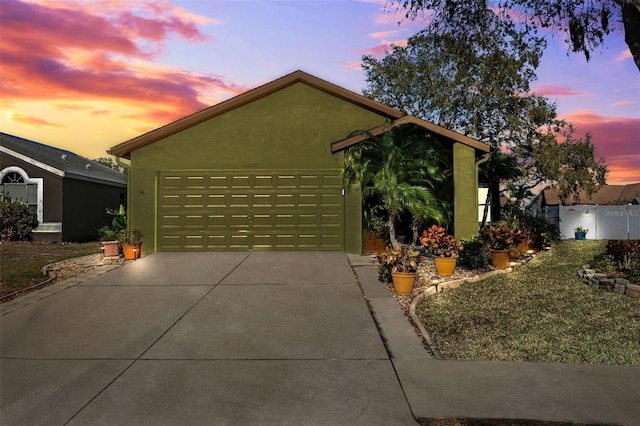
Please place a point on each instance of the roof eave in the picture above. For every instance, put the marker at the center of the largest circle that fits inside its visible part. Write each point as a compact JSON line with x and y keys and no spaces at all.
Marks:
{"x":433,"y":128}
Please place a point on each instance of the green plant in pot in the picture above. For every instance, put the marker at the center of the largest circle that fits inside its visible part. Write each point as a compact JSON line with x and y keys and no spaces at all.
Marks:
{"x":376,"y":230}
{"x":401,"y":263}
{"x":500,"y":237}
{"x":109,"y":234}
{"x":131,"y":243}
{"x":444,"y":248}
{"x":580,"y":232}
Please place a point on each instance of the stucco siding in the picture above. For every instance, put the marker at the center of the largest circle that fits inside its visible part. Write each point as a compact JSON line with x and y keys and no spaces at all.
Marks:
{"x":465,"y":198}
{"x":289,"y":129}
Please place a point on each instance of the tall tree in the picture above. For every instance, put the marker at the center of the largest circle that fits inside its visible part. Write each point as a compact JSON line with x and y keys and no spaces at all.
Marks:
{"x":479,"y":86}
{"x":584,"y":23}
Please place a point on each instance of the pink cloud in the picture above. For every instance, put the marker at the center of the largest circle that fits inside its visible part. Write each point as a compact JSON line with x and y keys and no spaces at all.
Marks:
{"x":624,"y":103}
{"x":100,"y":112}
{"x":615,"y":139}
{"x":553,"y":90}
{"x":383,"y":34}
{"x":33,"y":121}
{"x":382,"y":48}
{"x":82,"y":58}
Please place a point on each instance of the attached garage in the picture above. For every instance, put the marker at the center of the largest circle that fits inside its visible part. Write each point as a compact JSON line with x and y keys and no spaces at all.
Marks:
{"x":262,"y":171}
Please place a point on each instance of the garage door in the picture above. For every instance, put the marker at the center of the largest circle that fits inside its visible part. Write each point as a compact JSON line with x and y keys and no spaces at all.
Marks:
{"x":214,"y":210}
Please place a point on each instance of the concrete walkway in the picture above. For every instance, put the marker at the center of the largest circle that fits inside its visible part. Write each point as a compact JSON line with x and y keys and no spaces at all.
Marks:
{"x":230,"y":338}
{"x":590,"y":394}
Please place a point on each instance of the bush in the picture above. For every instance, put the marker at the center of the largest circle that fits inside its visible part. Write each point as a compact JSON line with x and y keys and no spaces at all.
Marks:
{"x":624,"y":252}
{"x":16,"y":221}
{"x":634,"y":272}
{"x":474,"y":254}
{"x":604,"y":263}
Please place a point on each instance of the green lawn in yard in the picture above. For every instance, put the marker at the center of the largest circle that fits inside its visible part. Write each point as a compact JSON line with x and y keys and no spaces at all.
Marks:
{"x":541,"y":312}
{"x":21,"y":262}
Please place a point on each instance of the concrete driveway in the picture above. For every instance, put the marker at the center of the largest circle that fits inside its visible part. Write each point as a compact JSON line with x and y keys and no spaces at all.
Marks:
{"x":202,"y":338}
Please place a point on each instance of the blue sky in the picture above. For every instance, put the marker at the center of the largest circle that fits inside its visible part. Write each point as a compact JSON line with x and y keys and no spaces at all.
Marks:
{"x":113,"y":69}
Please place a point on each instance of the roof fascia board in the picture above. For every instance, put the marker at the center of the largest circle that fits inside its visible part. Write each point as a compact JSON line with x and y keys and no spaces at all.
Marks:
{"x":32,"y":161}
{"x":95,"y":180}
{"x":124,"y":149}
{"x":434,"y":128}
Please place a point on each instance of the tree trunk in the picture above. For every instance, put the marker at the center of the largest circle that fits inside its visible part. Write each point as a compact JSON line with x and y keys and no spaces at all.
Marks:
{"x":631,"y":20}
{"x":494,"y":188}
{"x":485,"y":211}
{"x":392,"y":230}
{"x":415,"y":222}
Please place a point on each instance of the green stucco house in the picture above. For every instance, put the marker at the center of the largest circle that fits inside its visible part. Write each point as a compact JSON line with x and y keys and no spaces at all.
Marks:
{"x":262,"y":171}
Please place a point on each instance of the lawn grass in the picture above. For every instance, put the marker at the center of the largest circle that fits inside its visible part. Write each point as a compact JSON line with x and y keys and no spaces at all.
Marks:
{"x":21,"y":262}
{"x":541,"y":312}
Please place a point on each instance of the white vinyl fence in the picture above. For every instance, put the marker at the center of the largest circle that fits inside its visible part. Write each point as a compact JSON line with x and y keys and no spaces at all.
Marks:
{"x":603,"y":222}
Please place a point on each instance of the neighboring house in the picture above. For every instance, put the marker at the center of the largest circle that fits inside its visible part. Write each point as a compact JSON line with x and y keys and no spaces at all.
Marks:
{"x":263,"y":171}
{"x":69,"y":193}
{"x":547,"y":201}
{"x":609,"y":213}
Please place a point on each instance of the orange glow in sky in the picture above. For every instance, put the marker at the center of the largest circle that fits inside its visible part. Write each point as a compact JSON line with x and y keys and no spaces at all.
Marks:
{"x":85,"y":76}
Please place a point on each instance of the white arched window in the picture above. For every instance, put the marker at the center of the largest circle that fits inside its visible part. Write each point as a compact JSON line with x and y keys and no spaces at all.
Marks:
{"x":16,"y":184}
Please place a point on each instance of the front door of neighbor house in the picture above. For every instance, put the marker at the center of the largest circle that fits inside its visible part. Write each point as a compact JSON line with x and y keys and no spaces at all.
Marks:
{"x":245,"y":210}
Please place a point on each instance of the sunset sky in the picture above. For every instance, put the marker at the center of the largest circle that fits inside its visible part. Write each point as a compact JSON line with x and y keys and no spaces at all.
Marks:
{"x":87,"y":75}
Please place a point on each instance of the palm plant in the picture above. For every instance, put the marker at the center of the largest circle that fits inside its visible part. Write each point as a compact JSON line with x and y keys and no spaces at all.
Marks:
{"x":399,"y":168}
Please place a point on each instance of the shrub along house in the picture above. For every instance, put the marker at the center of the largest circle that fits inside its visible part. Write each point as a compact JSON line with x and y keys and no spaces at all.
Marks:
{"x":67,"y":192}
{"x":263,"y":171}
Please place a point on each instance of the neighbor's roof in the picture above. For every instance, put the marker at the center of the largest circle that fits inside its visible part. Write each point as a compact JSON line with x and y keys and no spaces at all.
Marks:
{"x":58,"y":161}
{"x":606,"y":195}
{"x":124,"y":149}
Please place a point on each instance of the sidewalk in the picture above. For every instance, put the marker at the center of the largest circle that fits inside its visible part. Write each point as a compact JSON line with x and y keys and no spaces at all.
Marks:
{"x":591,"y":394}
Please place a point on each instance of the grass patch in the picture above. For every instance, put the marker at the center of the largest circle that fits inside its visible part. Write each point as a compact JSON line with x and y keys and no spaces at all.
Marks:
{"x":541,"y":312}
{"x":22,"y":262}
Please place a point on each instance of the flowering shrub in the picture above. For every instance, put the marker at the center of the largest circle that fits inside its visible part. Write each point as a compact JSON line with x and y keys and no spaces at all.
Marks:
{"x":439,"y":243}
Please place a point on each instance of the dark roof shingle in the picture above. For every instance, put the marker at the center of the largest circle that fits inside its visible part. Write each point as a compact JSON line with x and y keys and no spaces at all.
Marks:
{"x":72,"y":165}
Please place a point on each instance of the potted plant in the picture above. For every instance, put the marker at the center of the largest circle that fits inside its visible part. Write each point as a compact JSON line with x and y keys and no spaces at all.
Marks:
{"x":500,"y":237}
{"x":443,"y":247}
{"x":109,"y":233}
{"x":376,"y":231}
{"x":580,"y":232}
{"x":131,"y":243}
{"x":402,"y":263}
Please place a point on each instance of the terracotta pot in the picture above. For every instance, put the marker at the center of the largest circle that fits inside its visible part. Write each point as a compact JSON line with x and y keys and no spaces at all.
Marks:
{"x":111,"y":248}
{"x":445,"y":265}
{"x":500,"y":259}
{"x":132,"y":251}
{"x":523,"y":247}
{"x":403,"y":282}
{"x":380,"y":245}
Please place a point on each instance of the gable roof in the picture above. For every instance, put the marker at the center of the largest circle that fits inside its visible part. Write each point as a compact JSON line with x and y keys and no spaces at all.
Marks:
{"x":438,"y":131}
{"x":58,"y":161}
{"x":606,"y":195}
{"x":397,"y":117}
{"x":124,"y":149}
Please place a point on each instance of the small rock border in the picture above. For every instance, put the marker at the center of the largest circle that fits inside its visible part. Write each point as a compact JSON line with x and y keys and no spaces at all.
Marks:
{"x":604,"y":282}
